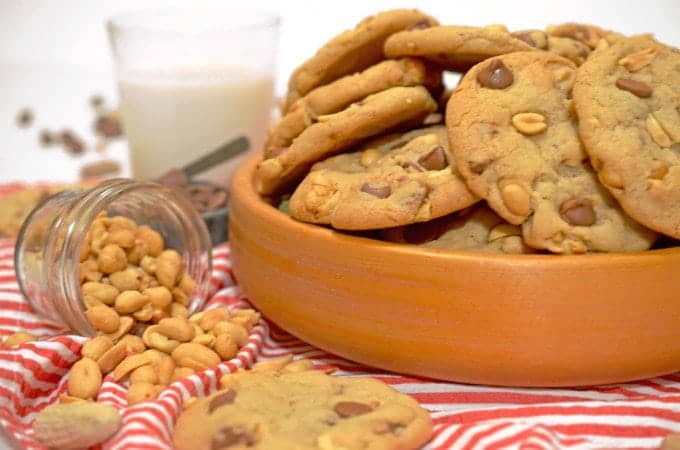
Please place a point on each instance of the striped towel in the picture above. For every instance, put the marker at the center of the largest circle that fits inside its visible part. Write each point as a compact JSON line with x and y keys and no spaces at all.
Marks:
{"x":631,"y":416}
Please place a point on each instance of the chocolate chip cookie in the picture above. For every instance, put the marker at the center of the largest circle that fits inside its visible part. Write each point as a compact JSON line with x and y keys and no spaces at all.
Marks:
{"x":309,"y":409}
{"x":352,"y":51}
{"x":628,"y":103}
{"x":339,"y":94}
{"x":515,"y":141}
{"x":476,"y":229}
{"x":453,"y":47}
{"x":376,"y":114}
{"x":414,"y":182}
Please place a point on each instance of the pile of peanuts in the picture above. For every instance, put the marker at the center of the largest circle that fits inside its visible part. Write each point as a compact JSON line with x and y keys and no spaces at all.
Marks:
{"x":136,"y":294}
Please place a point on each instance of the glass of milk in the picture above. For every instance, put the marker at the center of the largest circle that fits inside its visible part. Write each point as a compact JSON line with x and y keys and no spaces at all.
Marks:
{"x":191,"y":80}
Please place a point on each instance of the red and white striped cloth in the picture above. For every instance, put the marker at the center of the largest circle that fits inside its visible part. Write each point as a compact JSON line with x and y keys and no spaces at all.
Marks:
{"x":631,"y":416}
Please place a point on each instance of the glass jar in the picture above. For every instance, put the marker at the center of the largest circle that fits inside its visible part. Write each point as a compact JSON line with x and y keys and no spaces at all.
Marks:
{"x":47,"y":252}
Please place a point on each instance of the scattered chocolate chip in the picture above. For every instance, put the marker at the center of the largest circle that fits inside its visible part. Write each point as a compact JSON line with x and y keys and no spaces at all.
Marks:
{"x":108,"y":126}
{"x":47,"y":138}
{"x":495,"y":75}
{"x":227,"y":438}
{"x":225,"y":398}
{"x":72,"y":142}
{"x":96,"y":101}
{"x":420,"y":25}
{"x":351,"y":409}
{"x":97,"y":169}
{"x":24,"y":118}
{"x":376,"y":190}
{"x":204,"y":196}
{"x":435,"y":160}
{"x":578,"y":212}
{"x":635,"y":87}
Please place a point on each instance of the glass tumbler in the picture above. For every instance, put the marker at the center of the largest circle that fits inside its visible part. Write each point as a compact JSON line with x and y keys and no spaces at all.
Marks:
{"x":191,"y":80}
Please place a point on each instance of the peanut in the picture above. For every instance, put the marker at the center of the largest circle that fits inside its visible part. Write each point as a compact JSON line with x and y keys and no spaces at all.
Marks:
{"x":177,"y":329}
{"x":159,"y":296}
{"x":211,"y":317}
{"x":112,"y":357}
{"x":133,"y":344}
{"x":657,"y":133}
{"x":516,"y":199}
{"x":126,"y":324}
{"x":129,"y":364}
{"x":89,"y":271}
{"x":225,"y":346}
{"x":111,"y":259}
{"x":178,"y":310}
{"x":130,"y":301}
{"x":246,"y":317}
{"x":18,"y":338}
{"x":145,"y":314}
{"x":96,"y":347}
{"x":235,"y":331}
{"x":165,"y":370}
{"x":148,"y":265}
{"x":301,"y":365}
{"x":151,"y":239}
{"x":137,"y":252}
{"x":186,"y":283}
{"x":121,"y":223}
{"x":181,"y":372}
{"x":204,"y":339}
{"x":529,"y":123}
{"x":638,"y":60}
{"x":140,"y":392}
{"x":153,"y":339}
{"x":195,"y":356}
{"x":125,"y":280}
{"x":121,"y":237}
{"x":103,"y":318}
{"x":105,"y":293}
{"x":169,"y":268}
{"x":85,"y":379}
{"x":144,"y":374}
{"x":180,"y":296}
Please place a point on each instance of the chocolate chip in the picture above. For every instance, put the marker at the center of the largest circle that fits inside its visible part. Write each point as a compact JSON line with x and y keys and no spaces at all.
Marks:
{"x":578,"y":212}
{"x":526,"y":37}
{"x":108,"y":126}
{"x":351,"y":409}
{"x":96,"y":101}
{"x":225,"y":398}
{"x":47,"y":138}
{"x":72,"y":142}
{"x":435,"y":160}
{"x":376,"y":190}
{"x":495,"y":75}
{"x":227,"y":437}
{"x":25,"y":118}
{"x":420,"y":25}
{"x":635,"y":87}
{"x":478,"y":167}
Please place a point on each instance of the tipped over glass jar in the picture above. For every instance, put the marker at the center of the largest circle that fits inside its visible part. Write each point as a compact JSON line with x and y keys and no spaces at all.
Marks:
{"x":104,"y":247}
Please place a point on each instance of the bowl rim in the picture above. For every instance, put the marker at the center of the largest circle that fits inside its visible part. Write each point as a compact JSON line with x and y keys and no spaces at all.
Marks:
{"x":243,"y":187}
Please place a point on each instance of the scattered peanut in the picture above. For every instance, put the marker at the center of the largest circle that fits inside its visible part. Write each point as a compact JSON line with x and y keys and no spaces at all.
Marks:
{"x":18,"y":338}
{"x":85,"y":379}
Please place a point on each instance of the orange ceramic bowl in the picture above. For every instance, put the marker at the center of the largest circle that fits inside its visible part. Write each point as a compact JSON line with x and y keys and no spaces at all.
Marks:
{"x":510,"y":320}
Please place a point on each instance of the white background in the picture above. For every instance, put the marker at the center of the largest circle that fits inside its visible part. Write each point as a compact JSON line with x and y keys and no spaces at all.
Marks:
{"x":54,"y":54}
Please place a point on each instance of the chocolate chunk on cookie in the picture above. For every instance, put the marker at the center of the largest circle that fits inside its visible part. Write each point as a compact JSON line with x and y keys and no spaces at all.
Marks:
{"x":339,"y":94}
{"x":517,"y":146}
{"x":382,"y":187}
{"x":475,"y":229}
{"x":352,"y":51}
{"x":302,"y":410}
{"x":376,"y":114}
{"x":454,"y":47}
{"x":627,"y":99}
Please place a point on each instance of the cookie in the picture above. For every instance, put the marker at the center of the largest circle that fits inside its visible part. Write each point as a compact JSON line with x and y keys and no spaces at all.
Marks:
{"x":515,"y":141}
{"x":307,"y":409}
{"x":628,"y":102}
{"x":376,"y":114}
{"x":475,"y":229}
{"x":453,"y":47}
{"x":339,"y":94}
{"x":352,"y":51}
{"x":588,"y":35}
{"x":408,"y":183}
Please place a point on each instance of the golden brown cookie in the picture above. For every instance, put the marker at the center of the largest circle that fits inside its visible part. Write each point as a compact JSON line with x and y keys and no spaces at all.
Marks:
{"x":376,"y":114}
{"x":299,"y":410}
{"x":352,"y":51}
{"x":454,"y":47}
{"x":628,"y":103}
{"x":384,"y":187}
{"x":516,"y":143}
{"x":474,"y":229}
{"x":339,"y":94}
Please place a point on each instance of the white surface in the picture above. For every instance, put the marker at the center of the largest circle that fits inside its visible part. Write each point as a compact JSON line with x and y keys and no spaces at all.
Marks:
{"x":54,"y":54}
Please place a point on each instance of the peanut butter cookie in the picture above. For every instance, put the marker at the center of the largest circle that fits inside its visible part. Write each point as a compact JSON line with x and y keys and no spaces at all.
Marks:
{"x":352,"y":51}
{"x":281,"y":410}
{"x":515,"y":142}
{"x":339,"y":94}
{"x":376,"y":114}
{"x":475,"y":229}
{"x":413,"y":182}
{"x":453,"y":47}
{"x":628,"y":102}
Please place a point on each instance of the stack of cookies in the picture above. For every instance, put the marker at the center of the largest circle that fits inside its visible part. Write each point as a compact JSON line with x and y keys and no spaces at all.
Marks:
{"x":565,"y":140}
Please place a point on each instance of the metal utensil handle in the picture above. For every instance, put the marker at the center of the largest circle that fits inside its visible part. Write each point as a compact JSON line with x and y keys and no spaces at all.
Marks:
{"x":225,"y":151}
